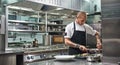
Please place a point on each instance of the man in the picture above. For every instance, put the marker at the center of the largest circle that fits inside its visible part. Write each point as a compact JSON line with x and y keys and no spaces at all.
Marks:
{"x":75,"y":35}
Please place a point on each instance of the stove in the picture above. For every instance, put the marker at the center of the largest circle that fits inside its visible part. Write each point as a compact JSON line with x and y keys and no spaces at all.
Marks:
{"x":31,"y":56}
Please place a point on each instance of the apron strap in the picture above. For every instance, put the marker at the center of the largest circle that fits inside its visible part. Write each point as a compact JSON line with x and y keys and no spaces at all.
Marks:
{"x":74,"y":26}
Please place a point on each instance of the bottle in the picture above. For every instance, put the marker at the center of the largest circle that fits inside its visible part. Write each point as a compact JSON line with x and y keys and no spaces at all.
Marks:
{"x":35,"y":43}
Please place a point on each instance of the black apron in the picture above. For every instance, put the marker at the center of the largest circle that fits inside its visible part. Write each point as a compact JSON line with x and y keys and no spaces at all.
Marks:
{"x":79,"y":37}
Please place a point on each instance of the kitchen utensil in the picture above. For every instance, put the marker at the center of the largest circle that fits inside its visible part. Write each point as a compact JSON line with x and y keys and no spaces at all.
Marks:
{"x":81,"y":56}
{"x":94,"y":51}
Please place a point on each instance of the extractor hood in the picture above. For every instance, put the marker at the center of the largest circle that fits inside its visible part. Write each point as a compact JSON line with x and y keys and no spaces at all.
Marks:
{"x":28,"y":4}
{"x":34,"y":5}
{"x":44,"y":7}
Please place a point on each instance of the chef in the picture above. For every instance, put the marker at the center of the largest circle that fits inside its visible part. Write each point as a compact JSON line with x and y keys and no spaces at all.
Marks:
{"x":75,"y":35}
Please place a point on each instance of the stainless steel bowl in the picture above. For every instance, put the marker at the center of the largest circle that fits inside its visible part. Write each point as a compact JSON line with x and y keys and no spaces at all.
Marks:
{"x":94,"y":58}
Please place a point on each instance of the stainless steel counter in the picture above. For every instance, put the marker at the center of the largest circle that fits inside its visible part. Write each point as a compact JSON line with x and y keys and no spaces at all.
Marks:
{"x":70,"y":62}
{"x":10,"y":52}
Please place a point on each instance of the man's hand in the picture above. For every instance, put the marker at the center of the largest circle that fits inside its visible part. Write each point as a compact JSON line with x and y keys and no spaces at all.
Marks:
{"x":83,"y":48}
{"x":99,"y":45}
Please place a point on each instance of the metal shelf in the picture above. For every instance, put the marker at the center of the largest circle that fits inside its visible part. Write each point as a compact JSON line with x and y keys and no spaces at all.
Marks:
{"x":56,"y":25}
{"x":24,"y":22}
{"x":21,"y":8}
{"x":15,"y":30}
{"x":55,"y":32}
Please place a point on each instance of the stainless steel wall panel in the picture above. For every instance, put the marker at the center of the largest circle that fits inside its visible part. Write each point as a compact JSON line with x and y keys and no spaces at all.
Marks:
{"x":109,"y":1}
{"x":110,"y":28}
{"x":111,"y":10}
{"x":111,"y":47}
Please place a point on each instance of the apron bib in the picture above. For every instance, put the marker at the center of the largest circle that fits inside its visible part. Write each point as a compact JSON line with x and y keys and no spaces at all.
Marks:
{"x":79,"y":37}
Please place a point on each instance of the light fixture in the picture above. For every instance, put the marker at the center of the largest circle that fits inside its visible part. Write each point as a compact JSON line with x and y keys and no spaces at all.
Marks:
{"x":59,"y":9}
{"x":87,"y":0}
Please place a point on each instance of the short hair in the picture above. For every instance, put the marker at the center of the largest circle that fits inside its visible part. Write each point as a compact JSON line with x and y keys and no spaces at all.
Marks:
{"x":81,"y":13}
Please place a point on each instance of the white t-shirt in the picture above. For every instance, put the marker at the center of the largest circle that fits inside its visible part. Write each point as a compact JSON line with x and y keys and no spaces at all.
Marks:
{"x":69,"y":30}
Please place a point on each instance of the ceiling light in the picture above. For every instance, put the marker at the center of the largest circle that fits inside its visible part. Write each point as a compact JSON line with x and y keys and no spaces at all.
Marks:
{"x":87,"y":0}
{"x":59,"y":9}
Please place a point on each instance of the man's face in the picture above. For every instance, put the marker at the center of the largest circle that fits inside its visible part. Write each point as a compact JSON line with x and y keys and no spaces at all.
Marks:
{"x":81,"y":19}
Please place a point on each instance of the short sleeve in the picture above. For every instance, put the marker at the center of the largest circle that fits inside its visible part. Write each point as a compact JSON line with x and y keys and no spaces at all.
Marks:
{"x":67,"y":31}
{"x":90,"y":30}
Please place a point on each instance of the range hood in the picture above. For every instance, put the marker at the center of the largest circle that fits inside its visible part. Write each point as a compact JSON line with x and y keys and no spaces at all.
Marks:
{"x":43,"y":7}
{"x":28,"y":4}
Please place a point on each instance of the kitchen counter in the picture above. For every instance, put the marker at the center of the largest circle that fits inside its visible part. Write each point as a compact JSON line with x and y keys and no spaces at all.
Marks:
{"x":10,"y":52}
{"x":44,"y":51}
{"x":70,"y":62}
{"x":51,"y":48}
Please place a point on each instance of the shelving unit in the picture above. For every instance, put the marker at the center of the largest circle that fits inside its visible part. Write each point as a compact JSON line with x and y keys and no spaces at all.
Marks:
{"x":24,"y":24}
{"x":24,"y":18}
{"x":55,"y":24}
{"x":27,"y":26}
{"x":34,"y":23}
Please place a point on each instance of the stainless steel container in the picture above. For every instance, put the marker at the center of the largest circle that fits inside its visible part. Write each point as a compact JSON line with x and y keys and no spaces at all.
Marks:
{"x":94,"y":58}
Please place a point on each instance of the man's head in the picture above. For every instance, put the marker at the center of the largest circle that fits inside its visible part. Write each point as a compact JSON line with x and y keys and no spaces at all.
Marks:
{"x":81,"y":18}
